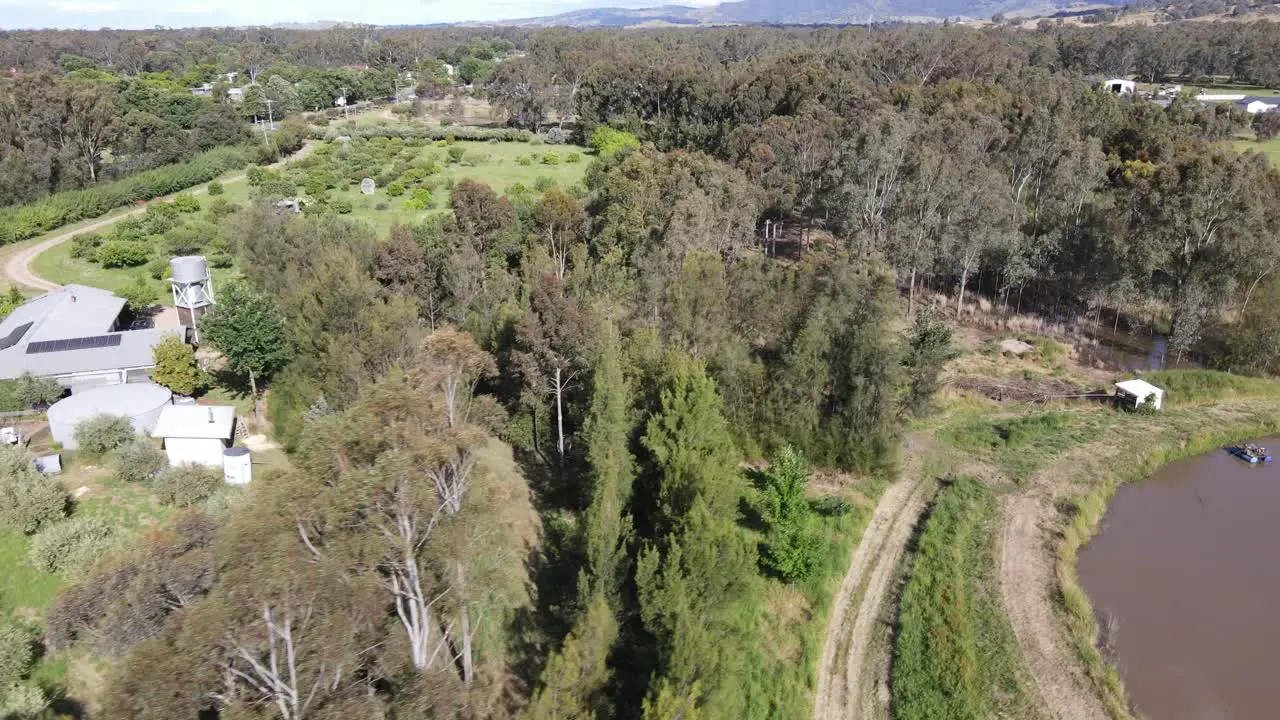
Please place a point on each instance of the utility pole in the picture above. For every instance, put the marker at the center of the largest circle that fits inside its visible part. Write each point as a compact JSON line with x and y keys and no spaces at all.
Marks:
{"x":345,"y":103}
{"x":270,"y":118}
{"x":265,"y":139}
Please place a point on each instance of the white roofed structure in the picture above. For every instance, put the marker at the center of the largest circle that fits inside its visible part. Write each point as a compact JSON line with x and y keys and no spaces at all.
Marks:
{"x":196,"y":434}
{"x":1139,"y":392}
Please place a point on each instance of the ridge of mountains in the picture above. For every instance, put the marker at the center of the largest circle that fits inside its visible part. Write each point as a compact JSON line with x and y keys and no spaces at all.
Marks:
{"x":804,"y":12}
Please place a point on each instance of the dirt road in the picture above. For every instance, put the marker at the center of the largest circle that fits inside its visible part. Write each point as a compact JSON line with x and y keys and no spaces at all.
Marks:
{"x":18,"y":268}
{"x":1027,"y":582}
{"x":852,"y":680}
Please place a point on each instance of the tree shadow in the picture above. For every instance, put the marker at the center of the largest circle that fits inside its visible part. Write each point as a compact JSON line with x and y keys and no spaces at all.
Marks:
{"x":235,"y":384}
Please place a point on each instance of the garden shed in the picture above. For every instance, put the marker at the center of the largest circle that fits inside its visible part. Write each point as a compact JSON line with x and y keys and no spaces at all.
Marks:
{"x":1136,"y":393}
{"x":140,"y":402}
{"x":196,"y":434}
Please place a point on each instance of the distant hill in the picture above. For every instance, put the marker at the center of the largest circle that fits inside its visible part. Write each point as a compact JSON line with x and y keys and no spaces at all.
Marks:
{"x":805,"y":12}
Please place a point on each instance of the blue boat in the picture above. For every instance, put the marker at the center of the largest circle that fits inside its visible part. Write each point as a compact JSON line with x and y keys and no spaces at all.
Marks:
{"x":1252,"y":454}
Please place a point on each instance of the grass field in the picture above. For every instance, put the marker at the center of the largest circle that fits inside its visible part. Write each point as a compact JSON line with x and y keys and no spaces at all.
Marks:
{"x":955,"y":656}
{"x":1269,"y":148}
{"x":57,"y":265}
{"x":494,"y":164}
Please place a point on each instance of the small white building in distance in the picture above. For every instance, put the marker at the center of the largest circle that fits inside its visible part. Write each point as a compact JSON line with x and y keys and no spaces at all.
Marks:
{"x":196,"y":434}
{"x":1120,"y":86}
{"x":1136,"y":393}
{"x":1253,"y":104}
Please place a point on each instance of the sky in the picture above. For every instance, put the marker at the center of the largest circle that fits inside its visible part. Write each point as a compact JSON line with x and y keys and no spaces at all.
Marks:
{"x":133,"y":14}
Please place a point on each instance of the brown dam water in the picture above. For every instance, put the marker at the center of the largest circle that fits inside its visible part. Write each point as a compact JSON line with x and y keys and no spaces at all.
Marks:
{"x":1185,"y":580}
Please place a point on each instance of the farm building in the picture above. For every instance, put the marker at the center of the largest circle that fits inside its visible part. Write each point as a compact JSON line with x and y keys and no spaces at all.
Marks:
{"x":72,"y":335}
{"x":142,"y":403}
{"x":1120,"y":86}
{"x":1253,"y":104}
{"x":1135,"y":393}
{"x":196,"y":434}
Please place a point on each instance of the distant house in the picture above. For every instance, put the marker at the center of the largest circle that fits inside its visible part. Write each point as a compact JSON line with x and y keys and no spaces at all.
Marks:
{"x":205,"y":90}
{"x":235,"y":94}
{"x":1255,"y":104}
{"x":196,"y":434}
{"x":73,"y":335}
{"x":1120,"y":86}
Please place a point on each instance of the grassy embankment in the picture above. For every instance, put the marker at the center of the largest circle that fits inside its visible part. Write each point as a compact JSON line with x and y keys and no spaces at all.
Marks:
{"x":955,"y":655}
{"x":1086,"y":450}
{"x":1205,"y":411}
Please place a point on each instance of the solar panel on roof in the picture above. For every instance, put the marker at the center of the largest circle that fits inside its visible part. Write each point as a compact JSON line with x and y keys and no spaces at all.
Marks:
{"x":14,"y":336}
{"x":82,"y":343}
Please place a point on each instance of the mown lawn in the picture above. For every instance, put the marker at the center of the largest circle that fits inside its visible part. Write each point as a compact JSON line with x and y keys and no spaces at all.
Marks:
{"x":57,"y":265}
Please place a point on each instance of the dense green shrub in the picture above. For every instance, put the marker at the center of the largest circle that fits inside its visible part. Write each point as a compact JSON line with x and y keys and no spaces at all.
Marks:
{"x":100,"y":435}
{"x":395,"y":189}
{"x":31,"y":391}
{"x":25,"y":221}
{"x":186,"y":485}
{"x":573,"y":157}
{"x":22,"y":700}
{"x":342,"y":206}
{"x":215,"y":188}
{"x":70,"y":547}
{"x":544,"y":183}
{"x":421,"y":200}
{"x":139,"y":460}
{"x":122,"y":253}
{"x":456,"y":153}
{"x":85,"y":246}
{"x":28,"y":500}
{"x":605,"y":140}
{"x":551,"y":158}
{"x":524,"y":161}
{"x":15,"y":653}
{"x":186,"y":203}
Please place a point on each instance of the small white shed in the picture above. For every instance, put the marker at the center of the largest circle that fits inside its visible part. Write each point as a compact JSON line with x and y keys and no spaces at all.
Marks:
{"x":196,"y":434}
{"x":1136,"y":393}
{"x":1121,"y":86}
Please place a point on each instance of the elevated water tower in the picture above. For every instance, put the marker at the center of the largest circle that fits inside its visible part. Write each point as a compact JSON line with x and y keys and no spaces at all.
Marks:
{"x":192,"y":289}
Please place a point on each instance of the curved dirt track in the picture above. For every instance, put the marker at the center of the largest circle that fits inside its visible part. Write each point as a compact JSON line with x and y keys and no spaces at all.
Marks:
{"x":1027,"y":582}
{"x":849,"y":680}
{"x":18,"y":268}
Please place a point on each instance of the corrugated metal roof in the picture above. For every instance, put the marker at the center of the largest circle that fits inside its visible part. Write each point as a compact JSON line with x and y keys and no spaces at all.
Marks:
{"x":196,"y":421}
{"x":75,"y":311}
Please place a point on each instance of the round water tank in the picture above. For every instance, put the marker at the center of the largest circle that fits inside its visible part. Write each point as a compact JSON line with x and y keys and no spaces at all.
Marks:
{"x":140,"y":402}
{"x":189,"y":269}
{"x":236,"y":466}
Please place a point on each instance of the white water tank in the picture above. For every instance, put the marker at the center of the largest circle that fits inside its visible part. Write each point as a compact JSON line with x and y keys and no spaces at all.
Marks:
{"x":189,"y":269}
{"x":192,"y":289}
{"x":141,"y":403}
{"x":236,"y":466}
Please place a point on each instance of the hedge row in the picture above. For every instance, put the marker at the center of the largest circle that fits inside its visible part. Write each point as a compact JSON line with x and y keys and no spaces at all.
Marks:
{"x":26,"y":221}
{"x":433,"y":133}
